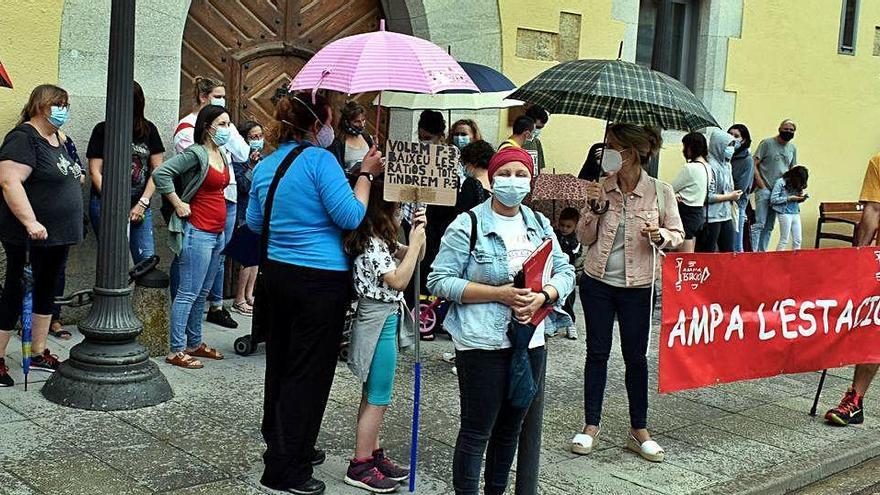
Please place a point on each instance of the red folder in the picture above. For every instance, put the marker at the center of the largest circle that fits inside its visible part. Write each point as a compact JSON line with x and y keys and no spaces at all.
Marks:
{"x":538,"y":269}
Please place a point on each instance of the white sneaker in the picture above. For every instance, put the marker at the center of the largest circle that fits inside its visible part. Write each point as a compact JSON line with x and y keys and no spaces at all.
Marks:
{"x":571,"y":333}
{"x":448,"y":357}
{"x":455,"y":371}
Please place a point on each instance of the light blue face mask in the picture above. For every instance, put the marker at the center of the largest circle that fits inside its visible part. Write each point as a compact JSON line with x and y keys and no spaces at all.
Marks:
{"x":461,"y":141}
{"x":729,"y":151}
{"x":256,"y":144}
{"x":537,"y":133}
{"x":220,"y":102}
{"x":221,"y":135}
{"x":59,"y":115}
{"x":511,"y":191}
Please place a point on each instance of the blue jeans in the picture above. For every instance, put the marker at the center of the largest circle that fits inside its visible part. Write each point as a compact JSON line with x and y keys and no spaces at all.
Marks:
{"x":197,"y":265}
{"x":215,"y":297}
{"x":738,"y":235}
{"x":765,"y":220}
{"x":140,"y":237}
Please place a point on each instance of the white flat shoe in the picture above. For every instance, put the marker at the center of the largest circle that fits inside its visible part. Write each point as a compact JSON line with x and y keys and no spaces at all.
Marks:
{"x":649,"y":450}
{"x":582,"y":443}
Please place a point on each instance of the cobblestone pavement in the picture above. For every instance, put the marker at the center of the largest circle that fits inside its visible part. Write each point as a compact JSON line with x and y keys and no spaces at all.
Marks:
{"x":751,"y":436}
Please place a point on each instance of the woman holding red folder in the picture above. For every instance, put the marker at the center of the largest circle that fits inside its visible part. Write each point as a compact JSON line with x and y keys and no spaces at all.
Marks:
{"x":641,"y":218}
{"x":480,"y":254}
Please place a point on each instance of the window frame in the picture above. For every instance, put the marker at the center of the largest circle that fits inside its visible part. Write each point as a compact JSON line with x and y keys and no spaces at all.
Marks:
{"x":846,"y":49}
{"x":662,"y":56}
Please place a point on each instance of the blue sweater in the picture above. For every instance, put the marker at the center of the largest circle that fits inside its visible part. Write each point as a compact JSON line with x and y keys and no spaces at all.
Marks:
{"x":313,"y":205}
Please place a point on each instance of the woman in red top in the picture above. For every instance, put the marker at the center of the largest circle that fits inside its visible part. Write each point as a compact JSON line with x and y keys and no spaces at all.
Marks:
{"x":196,"y":230}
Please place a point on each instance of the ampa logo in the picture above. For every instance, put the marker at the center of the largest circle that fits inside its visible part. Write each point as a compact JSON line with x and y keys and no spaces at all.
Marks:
{"x":691,"y":274}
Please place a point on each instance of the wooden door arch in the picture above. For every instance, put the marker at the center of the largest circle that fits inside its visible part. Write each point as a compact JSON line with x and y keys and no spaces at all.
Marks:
{"x":255,"y":46}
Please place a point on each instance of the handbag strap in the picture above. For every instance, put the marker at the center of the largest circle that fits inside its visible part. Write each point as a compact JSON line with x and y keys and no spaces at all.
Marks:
{"x":270,"y":197}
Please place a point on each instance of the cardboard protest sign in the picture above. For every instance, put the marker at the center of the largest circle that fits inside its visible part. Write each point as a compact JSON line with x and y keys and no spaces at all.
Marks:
{"x":730,"y":317}
{"x":421,"y":173}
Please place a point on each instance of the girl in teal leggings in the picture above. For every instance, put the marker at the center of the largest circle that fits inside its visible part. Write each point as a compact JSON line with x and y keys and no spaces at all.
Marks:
{"x":382,"y":270}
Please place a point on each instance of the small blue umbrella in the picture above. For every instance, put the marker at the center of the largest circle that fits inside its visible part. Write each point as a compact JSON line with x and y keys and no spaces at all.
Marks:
{"x":27,"y":308}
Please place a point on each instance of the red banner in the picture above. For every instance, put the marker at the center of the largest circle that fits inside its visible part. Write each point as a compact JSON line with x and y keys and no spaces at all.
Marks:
{"x":730,"y":317}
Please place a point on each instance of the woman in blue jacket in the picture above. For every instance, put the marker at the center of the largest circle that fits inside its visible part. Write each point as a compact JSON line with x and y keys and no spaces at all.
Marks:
{"x":304,"y":285}
{"x":478,"y":280}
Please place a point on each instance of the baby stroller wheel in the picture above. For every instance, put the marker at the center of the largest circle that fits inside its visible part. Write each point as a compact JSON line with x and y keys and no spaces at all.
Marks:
{"x":427,"y":318}
{"x":243,"y":346}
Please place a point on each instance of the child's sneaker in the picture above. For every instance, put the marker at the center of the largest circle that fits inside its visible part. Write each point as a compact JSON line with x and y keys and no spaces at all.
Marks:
{"x":363,"y":473}
{"x":45,"y":362}
{"x":571,"y":333}
{"x":388,"y":468}
{"x":5,"y":379}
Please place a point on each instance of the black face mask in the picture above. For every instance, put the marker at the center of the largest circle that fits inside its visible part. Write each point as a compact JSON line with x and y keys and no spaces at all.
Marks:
{"x":350,"y":129}
{"x":786,"y":135}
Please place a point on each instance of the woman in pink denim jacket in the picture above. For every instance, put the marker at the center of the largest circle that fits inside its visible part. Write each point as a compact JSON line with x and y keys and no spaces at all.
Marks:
{"x":619,"y":263}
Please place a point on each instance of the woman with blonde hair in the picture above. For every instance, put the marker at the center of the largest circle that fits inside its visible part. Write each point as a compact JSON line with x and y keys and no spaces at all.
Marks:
{"x":40,"y":217}
{"x":464,"y":132}
{"x":641,"y":217}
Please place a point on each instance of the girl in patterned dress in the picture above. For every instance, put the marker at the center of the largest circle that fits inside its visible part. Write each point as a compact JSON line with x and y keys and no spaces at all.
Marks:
{"x":382,"y":270}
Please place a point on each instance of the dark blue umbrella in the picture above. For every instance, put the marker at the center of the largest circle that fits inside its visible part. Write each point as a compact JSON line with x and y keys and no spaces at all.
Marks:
{"x":27,"y":308}
{"x":487,"y":79}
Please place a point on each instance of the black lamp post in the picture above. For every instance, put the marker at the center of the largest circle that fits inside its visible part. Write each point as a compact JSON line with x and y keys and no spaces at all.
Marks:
{"x":110,"y":370}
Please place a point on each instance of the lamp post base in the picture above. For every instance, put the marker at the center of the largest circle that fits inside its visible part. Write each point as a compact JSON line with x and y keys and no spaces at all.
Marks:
{"x":109,"y":370}
{"x":108,"y":388}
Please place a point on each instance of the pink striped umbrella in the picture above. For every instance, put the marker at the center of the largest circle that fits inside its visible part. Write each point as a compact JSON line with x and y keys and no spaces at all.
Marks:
{"x":382,"y":61}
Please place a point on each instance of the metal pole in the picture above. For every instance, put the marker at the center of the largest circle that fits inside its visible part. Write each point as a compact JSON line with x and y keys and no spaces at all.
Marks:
{"x":110,"y":370}
{"x":818,"y":393}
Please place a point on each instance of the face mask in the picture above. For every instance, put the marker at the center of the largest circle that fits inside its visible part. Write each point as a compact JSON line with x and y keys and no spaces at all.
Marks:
{"x":221,"y":135}
{"x":351,"y":129}
{"x":59,"y":115}
{"x":537,"y":133}
{"x":786,"y":135}
{"x":425,"y":141}
{"x":325,"y":136}
{"x":256,"y":144}
{"x":461,"y":141}
{"x":612,"y":161}
{"x":728,"y":152}
{"x":220,"y":102}
{"x":511,"y":191}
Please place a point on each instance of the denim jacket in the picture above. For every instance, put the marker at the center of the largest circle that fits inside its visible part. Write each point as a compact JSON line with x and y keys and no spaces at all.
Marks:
{"x":483,"y":325}
{"x":779,"y":199}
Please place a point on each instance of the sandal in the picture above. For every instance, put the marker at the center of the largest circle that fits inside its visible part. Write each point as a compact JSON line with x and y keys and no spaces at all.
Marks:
{"x":243,"y":308}
{"x":204,"y":351}
{"x":649,"y":450}
{"x":184,"y":360}
{"x":57,"y":331}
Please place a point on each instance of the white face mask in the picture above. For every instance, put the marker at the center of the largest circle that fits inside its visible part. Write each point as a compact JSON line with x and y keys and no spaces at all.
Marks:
{"x":220,"y":102}
{"x":612,"y":161}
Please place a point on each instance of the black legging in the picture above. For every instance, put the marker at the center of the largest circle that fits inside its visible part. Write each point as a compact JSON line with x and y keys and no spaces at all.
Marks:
{"x":716,"y":237}
{"x":46,"y":263}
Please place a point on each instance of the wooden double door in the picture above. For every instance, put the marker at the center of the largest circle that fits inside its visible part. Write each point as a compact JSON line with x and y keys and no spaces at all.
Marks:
{"x":258,"y":46}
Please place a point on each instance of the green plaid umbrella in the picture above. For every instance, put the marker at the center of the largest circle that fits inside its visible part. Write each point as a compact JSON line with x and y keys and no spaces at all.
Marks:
{"x":616,"y":91}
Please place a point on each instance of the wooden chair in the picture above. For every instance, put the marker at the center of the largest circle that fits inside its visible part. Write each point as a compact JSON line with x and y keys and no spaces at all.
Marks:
{"x":838,"y":213}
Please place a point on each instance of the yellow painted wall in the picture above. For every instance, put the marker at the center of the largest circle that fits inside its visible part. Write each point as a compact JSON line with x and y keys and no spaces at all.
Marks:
{"x":787,"y":65}
{"x":30,"y":33}
{"x":566,"y":139}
